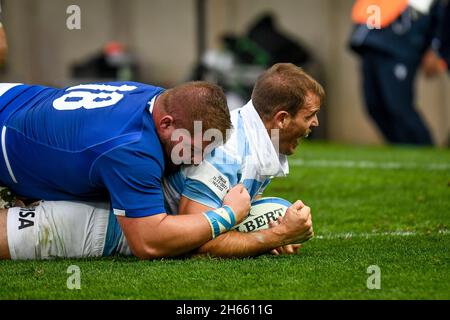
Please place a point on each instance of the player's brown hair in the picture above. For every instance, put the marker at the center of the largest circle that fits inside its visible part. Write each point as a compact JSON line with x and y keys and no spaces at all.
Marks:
{"x":284,"y":86}
{"x":198,"y":101}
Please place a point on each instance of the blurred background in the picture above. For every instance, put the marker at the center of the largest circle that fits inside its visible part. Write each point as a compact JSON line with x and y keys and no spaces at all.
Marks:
{"x":166,"y":42}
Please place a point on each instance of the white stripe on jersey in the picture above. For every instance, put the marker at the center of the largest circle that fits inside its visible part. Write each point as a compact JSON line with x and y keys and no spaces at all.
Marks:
{"x":5,"y":155}
{"x":6,"y":86}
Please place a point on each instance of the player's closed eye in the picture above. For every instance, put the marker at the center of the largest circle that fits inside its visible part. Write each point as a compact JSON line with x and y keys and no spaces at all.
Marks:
{"x":311,"y":115}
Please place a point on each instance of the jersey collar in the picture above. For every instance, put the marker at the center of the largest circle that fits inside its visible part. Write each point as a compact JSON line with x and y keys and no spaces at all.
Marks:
{"x":270,"y":161}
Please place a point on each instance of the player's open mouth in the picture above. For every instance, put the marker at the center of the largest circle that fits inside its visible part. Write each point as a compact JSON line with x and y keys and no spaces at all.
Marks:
{"x":306,"y":135}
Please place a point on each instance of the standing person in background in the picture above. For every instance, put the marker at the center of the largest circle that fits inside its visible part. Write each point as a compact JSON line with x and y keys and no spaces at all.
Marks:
{"x":444,"y":38}
{"x":391,"y":50}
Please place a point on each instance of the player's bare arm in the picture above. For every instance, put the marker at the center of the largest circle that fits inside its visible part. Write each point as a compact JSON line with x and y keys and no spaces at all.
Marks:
{"x":4,"y":249}
{"x":295,"y":228}
{"x":175,"y":235}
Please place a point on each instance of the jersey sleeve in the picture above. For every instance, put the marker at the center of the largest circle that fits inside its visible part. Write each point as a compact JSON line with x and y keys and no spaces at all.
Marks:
{"x":209,"y":182}
{"x":133,"y":181}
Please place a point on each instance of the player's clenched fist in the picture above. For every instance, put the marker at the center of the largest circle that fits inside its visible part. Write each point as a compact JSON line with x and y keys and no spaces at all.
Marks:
{"x":239,"y":201}
{"x":296,"y":225}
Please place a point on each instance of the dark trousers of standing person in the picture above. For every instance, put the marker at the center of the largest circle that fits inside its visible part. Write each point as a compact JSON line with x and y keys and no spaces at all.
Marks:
{"x":389,"y":96}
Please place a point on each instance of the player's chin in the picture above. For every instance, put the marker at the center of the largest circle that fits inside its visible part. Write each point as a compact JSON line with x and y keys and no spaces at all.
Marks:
{"x":293,"y":147}
{"x":289,"y":149}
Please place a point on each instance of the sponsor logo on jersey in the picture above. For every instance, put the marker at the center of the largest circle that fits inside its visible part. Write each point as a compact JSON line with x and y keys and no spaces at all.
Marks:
{"x":220,"y":183}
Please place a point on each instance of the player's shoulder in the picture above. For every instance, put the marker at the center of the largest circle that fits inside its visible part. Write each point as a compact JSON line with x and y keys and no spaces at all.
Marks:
{"x":10,"y":91}
{"x":217,"y":172}
{"x":115,"y":86}
{"x":237,"y":145}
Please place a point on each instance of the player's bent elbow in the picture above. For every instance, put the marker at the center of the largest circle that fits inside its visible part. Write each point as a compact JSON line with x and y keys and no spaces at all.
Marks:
{"x":148,"y":252}
{"x":142,"y":243}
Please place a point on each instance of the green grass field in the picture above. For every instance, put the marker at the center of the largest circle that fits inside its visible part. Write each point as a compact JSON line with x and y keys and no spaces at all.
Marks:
{"x":382,"y":206}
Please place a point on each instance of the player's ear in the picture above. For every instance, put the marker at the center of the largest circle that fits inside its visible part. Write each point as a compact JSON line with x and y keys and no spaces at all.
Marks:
{"x":281,"y":119}
{"x":166,"y":122}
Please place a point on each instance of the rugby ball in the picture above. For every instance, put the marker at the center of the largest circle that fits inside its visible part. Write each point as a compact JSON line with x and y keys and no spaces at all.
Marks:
{"x":262,"y":211}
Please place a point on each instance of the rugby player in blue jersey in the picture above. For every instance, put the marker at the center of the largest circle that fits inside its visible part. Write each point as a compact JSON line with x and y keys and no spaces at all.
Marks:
{"x":112,"y":142}
{"x":284,"y":98}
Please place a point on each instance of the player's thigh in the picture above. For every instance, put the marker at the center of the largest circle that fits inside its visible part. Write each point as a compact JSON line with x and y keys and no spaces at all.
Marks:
{"x":4,"y":250}
{"x":57,"y":229}
{"x":76,"y":229}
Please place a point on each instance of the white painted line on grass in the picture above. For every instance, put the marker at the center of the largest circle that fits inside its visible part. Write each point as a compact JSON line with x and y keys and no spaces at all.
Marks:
{"x":318,"y":163}
{"x":349,"y":235}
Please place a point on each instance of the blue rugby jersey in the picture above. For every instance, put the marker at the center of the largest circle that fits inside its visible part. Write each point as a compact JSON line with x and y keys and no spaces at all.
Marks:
{"x":86,"y":142}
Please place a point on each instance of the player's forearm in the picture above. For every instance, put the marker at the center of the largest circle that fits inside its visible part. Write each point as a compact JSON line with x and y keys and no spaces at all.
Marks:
{"x":172,"y":236}
{"x":240,"y":244}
